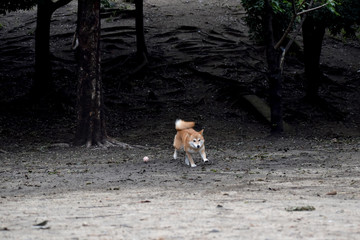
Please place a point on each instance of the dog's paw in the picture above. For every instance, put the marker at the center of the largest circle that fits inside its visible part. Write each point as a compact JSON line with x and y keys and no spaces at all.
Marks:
{"x":187,"y":161}
{"x":193,"y":165}
{"x":206,"y":160}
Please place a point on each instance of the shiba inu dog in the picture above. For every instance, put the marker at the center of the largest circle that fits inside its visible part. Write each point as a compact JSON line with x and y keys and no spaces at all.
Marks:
{"x":190,"y":140}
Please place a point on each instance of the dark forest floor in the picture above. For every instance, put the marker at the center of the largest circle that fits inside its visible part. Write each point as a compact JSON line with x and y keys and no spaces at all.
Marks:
{"x":201,"y":62}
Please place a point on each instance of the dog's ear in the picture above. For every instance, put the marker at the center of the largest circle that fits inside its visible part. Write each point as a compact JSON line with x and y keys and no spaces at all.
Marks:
{"x":201,"y":132}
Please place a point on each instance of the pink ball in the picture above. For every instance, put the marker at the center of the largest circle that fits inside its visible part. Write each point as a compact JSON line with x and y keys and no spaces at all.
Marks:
{"x":146,"y":159}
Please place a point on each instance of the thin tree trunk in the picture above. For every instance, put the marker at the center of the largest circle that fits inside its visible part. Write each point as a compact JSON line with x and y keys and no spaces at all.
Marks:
{"x":274,"y":72}
{"x":139,"y":22}
{"x":91,"y":118}
{"x":313,"y":35}
{"x":42,"y":82}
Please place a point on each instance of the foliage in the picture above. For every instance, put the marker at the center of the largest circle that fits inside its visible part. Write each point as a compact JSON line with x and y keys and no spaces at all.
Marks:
{"x":348,"y":19}
{"x":107,"y":3}
{"x":14,"y":5}
{"x":255,"y":15}
{"x":338,"y":16}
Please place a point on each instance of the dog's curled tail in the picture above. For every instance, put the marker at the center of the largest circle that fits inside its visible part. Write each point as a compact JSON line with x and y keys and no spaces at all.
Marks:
{"x":182,"y":125}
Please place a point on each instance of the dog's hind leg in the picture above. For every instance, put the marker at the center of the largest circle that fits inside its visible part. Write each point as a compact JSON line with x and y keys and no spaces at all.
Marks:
{"x":177,"y":145}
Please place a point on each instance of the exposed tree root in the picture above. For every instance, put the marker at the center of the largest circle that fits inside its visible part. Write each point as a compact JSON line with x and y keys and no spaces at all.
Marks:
{"x":3,"y":151}
{"x":141,"y":66}
{"x":327,"y":106}
{"x":108,"y":142}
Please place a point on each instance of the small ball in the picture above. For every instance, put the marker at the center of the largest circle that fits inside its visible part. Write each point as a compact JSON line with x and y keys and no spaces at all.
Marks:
{"x":146,"y":159}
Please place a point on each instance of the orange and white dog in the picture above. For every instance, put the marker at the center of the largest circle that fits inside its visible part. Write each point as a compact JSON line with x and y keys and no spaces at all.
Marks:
{"x":190,"y":140}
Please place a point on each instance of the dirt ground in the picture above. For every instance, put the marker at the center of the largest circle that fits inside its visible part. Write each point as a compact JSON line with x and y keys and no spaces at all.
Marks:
{"x":304,"y":185}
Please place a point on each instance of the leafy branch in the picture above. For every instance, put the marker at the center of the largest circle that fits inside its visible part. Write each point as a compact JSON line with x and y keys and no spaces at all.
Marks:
{"x":287,"y":31}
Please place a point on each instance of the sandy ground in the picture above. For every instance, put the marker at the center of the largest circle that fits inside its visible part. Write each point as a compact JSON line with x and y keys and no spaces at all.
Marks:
{"x":179,"y":213}
{"x":248,"y":192}
{"x":302,"y":186}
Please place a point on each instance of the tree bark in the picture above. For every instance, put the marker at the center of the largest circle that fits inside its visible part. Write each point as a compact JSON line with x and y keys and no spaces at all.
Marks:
{"x":313,"y":35}
{"x":42,"y":81}
{"x":140,"y":36}
{"x":91,"y":128}
{"x":274,"y":73}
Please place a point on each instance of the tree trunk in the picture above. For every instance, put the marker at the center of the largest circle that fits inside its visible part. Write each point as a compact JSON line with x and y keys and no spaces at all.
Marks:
{"x":274,"y":72}
{"x":91,"y":118}
{"x":140,"y":37}
{"x":313,"y":34}
{"x":42,"y":81}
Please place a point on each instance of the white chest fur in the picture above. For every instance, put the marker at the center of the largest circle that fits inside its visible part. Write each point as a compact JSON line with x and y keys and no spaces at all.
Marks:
{"x":195,"y":150}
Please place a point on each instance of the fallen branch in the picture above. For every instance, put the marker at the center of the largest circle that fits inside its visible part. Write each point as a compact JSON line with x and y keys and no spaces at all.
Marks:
{"x":262,"y":108}
{"x":97,"y":216}
{"x":3,"y":151}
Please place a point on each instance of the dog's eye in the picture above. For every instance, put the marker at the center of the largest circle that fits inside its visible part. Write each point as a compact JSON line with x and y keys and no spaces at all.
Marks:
{"x":194,"y":140}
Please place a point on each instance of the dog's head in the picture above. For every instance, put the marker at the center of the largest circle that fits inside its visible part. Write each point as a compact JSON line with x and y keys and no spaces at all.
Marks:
{"x":197,"y":140}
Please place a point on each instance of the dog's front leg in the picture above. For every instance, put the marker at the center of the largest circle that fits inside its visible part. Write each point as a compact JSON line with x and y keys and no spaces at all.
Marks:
{"x":188,"y":159}
{"x":175,"y":154}
{"x":203,"y":155}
